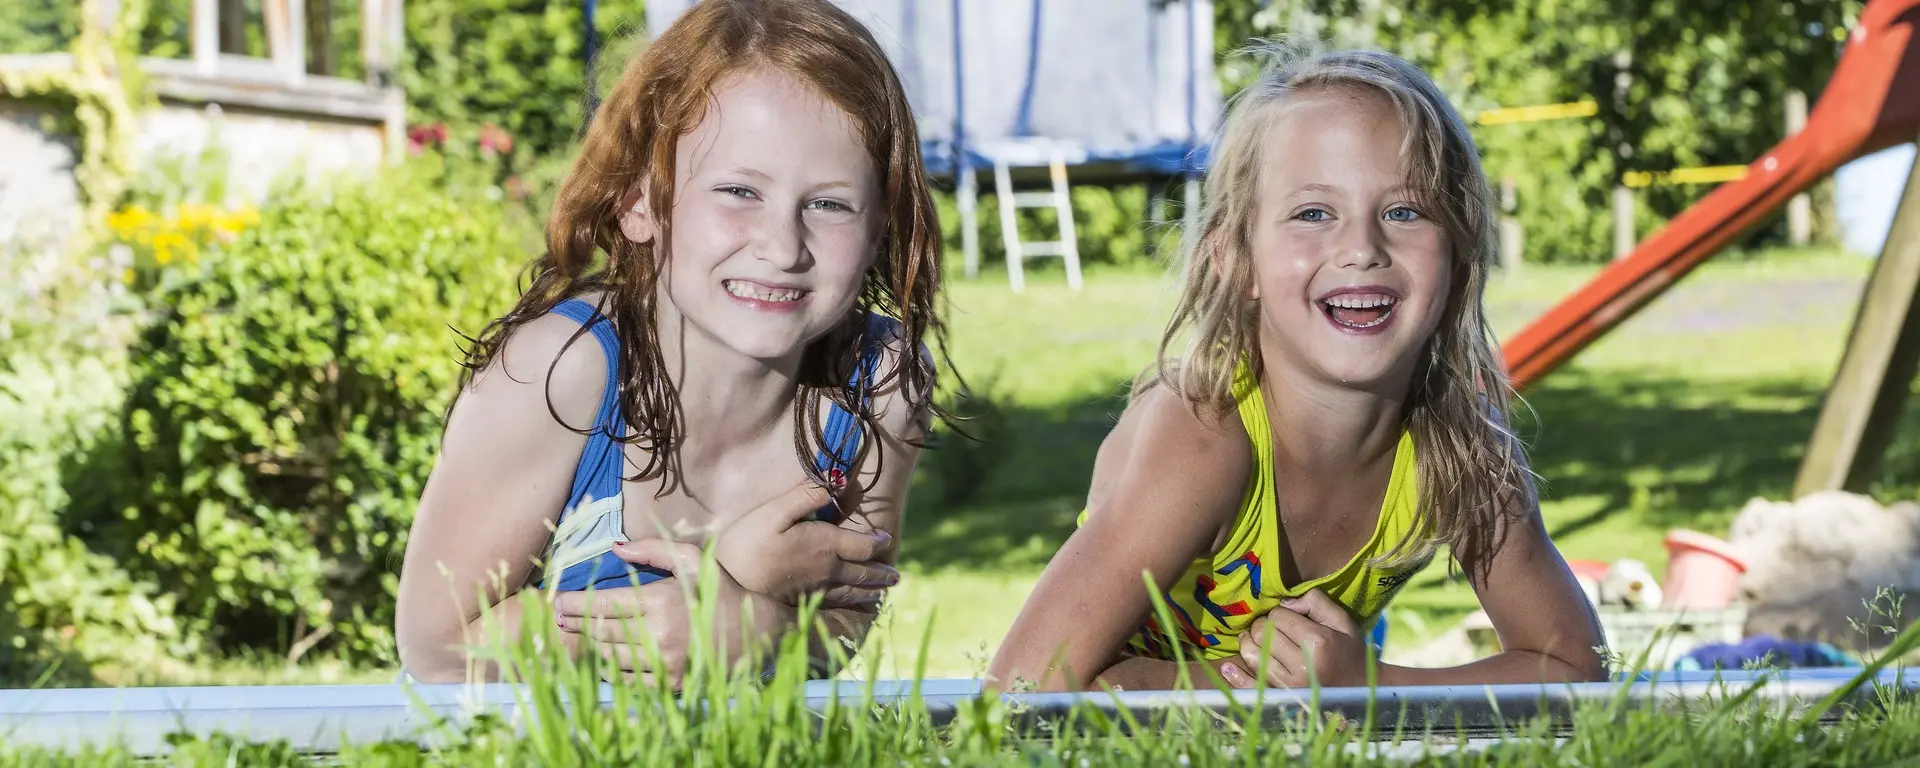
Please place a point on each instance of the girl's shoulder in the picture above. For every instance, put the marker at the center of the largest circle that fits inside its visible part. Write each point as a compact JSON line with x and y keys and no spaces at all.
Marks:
{"x":552,"y":361}
{"x":1189,"y":459}
{"x":900,"y":408}
{"x":1161,"y":428}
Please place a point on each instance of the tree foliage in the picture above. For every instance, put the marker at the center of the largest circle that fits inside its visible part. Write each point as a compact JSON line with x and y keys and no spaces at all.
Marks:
{"x":1678,"y":83}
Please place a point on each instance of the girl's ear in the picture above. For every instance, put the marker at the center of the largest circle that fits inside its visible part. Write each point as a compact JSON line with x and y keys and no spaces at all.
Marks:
{"x":636,"y":222}
{"x":1215,"y":250}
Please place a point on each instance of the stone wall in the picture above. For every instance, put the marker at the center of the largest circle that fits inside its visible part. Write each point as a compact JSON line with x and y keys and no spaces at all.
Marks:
{"x":260,"y":147}
{"x":269,"y":130}
{"x":38,"y":195}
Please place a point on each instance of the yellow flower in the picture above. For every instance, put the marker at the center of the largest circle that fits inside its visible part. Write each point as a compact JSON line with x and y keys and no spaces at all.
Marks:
{"x":197,"y":216}
{"x":126,"y":277}
{"x":166,"y":244}
{"x":129,"y":220}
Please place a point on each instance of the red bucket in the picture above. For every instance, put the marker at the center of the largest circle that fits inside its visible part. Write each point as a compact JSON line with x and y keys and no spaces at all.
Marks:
{"x":1703,"y":572}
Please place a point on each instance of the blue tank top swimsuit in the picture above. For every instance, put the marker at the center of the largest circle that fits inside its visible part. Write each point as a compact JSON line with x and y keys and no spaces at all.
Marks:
{"x":580,"y":555}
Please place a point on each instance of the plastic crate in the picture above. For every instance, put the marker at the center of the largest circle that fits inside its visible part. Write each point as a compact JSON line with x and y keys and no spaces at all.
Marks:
{"x":1657,"y":639}
{"x":1650,"y":638}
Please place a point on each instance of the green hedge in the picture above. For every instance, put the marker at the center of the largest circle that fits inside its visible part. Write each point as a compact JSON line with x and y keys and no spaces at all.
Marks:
{"x":38,"y":26}
{"x":65,"y":608}
{"x":516,"y":64}
{"x":286,"y":409}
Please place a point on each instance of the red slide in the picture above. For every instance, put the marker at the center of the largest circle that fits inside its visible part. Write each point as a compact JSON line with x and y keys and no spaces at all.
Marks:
{"x":1872,"y":102}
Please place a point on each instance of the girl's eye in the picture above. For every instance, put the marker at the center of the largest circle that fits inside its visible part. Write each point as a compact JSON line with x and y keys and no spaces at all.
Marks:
{"x":832,"y":205}
{"x":1312,"y":214}
{"x":738,"y":192}
{"x":1403,"y":214}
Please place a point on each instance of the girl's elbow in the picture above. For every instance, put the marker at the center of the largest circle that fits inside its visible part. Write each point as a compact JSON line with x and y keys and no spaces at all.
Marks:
{"x":1587,"y":666}
{"x":1587,"y":671}
{"x":429,"y":653}
{"x":432,"y":663}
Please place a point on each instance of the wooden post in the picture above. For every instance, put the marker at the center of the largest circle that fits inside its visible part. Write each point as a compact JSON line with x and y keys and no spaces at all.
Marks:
{"x":1863,"y":407}
{"x":1800,"y":208}
{"x":206,"y":36}
{"x":968,"y":199}
{"x":1624,"y":237}
{"x":320,"y":54}
{"x":1156,"y":214}
{"x":378,"y":48}
{"x":296,"y":37}
{"x":287,"y":37}
{"x":1511,"y":242}
{"x":394,"y":31}
{"x":233,"y":27}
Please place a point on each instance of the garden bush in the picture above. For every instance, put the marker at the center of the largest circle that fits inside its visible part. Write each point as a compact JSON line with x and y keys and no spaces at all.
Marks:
{"x":287,"y":403}
{"x":65,"y":609}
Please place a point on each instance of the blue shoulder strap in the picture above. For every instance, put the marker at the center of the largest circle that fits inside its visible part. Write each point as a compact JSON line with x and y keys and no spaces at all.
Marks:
{"x":598,"y":475}
{"x":842,"y":430}
{"x":600,"y":463}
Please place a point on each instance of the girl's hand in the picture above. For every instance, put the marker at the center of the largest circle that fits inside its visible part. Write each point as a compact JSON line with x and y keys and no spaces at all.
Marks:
{"x":611,"y":618}
{"x":1308,"y":640}
{"x":782,"y":551}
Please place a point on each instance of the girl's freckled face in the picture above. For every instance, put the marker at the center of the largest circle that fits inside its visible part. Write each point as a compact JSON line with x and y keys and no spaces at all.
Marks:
{"x":776,"y":218}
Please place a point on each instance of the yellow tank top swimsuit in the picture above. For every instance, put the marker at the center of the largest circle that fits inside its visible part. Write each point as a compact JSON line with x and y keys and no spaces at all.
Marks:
{"x":1221,"y":594}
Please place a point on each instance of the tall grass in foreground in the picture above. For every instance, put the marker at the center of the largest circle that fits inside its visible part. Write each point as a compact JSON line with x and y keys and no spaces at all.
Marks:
{"x":741,"y":715}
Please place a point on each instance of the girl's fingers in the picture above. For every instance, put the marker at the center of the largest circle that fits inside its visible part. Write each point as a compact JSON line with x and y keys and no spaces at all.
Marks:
{"x":619,"y":631}
{"x":1237,"y":677}
{"x":860,"y":598}
{"x":1268,"y":652}
{"x":1320,"y":608}
{"x":617,"y":602}
{"x":871,"y":574}
{"x":678,"y":558}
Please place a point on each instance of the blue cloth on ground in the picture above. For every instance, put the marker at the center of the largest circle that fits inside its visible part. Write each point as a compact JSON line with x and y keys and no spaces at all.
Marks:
{"x":1764,"y":651}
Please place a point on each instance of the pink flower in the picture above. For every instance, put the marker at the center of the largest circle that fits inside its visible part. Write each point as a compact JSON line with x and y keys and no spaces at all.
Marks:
{"x":422,"y":136}
{"x":494,"y":140}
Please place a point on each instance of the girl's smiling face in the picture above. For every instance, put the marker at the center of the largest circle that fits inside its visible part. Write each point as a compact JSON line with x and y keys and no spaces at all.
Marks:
{"x":1351,"y":275}
{"x":775,"y":219}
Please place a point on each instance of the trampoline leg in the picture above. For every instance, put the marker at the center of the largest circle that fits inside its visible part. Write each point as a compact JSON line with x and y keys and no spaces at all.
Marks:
{"x":1009,"y":225}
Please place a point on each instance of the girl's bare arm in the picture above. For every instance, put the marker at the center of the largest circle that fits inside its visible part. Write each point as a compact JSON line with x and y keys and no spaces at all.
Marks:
{"x":504,"y":472}
{"x":1548,"y":631}
{"x":1165,"y":483}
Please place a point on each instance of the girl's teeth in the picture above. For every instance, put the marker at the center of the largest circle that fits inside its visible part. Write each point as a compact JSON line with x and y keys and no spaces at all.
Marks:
{"x":750,"y":291}
{"x":1359,"y":302}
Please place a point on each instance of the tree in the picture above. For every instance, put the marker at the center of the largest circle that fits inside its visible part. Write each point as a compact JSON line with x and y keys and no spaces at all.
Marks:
{"x":1704,"y":84}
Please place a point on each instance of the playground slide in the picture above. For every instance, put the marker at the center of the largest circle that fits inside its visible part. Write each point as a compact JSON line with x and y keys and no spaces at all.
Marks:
{"x":1871,"y":103}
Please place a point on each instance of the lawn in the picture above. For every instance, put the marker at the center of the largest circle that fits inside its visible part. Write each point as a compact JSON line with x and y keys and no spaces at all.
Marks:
{"x":1701,"y":402}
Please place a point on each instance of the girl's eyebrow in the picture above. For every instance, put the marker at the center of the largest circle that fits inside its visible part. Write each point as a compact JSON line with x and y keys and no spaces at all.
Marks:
{"x":757,"y":174}
{"x":1305,"y":189}
{"x":1403,"y":190}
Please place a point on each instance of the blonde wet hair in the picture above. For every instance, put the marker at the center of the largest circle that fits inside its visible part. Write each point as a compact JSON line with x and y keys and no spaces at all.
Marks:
{"x":1469,"y":463}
